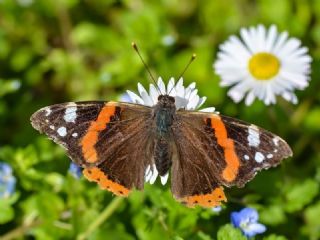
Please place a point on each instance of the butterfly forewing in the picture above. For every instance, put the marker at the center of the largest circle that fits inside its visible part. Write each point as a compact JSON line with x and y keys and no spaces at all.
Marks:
{"x":105,"y":138}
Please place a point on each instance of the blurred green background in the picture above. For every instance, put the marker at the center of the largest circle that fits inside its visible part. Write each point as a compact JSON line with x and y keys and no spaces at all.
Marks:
{"x":70,"y":50}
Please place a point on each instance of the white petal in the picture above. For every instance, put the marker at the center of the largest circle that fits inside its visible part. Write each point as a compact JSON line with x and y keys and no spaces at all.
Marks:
{"x":236,"y":96}
{"x":147,"y":170}
{"x":154,"y":175}
{"x":180,"y":89}
{"x":208,"y":110}
{"x":250,"y":98}
{"x":271,"y":38}
{"x":193,"y":102}
{"x":164,"y":178}
{"x":149,"y":175}
{"x":193,"y":94}
{"x":280,"y":41}
{"x":201,"y":102}
{"x":145,"y":96}
{"x":162,"y":86}
{"x":289,"y":96}
{"x":255,"y":228}
{"x":289,"y":47}
{"x":189,"y":89}
{"x":261,"y":36}
{"x":192,"y":86}
{"x":247,"y":39}
{"x":134,"y":97}
{"x":170,"y":86}
{"x":154,"y":94}
{"x":180,"y":102}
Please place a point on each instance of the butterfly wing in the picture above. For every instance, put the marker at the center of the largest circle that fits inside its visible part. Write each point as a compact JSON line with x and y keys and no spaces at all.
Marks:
{"x":214,"y":151}
{"x":108,"y":139}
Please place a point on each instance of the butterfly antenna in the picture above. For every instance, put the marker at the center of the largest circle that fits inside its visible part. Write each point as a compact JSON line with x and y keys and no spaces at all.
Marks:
{"x":135,"y":47}
{"x":193,"y":57}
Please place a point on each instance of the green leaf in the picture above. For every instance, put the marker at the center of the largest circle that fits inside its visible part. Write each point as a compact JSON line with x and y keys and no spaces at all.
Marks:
{"x":6,"y":211}
{"x":274,"y":237}
{"x":300,"y":195}
{"x":228,"y":232}
{"x":312,"y":219}
{"x":311,"y":120}
{"x":203,"y":236}
{"x":272,"y":215}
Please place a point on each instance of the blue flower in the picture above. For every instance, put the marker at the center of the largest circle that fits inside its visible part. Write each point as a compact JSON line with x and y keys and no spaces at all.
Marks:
{"x":75,"y":170}
{"x":247,"y":221}
{"x":7,"y":181}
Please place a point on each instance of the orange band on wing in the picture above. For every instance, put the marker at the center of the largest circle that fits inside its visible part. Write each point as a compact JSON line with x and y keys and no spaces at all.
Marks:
{"x":209,"y":200}
{"x":96,"y":175}
{"x":233,"y":162}
{"x":90,"y":139}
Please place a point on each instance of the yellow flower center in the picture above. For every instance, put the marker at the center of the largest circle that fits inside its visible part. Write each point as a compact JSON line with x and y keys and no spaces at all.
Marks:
{"x":264,"y":66}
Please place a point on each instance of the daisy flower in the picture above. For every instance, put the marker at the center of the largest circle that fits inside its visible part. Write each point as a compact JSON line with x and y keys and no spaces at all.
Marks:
{"x":185,"y":98}
{"x":261,"y":64}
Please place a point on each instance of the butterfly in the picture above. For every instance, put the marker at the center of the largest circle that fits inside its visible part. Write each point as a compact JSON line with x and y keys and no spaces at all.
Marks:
{"x":120,"y":145}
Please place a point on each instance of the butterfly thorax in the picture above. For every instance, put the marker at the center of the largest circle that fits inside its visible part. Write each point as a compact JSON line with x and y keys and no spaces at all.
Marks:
{"x":164,"y":114}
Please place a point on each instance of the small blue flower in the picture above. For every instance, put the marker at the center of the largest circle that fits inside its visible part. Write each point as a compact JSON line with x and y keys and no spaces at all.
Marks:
{"x":75,"y":170}
{"x":247,"y":221}
{"x":7,"y":181}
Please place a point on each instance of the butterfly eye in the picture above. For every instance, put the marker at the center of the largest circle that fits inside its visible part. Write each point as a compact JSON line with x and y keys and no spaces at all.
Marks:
{"x":160,"y":97}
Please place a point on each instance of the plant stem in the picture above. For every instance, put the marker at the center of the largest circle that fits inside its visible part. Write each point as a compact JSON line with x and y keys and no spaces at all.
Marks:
{"x":107,"y":212}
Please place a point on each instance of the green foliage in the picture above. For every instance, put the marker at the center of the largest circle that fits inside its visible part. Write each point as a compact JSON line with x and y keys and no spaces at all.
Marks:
{"x":228,"y":232}
{"x":56,"y":51}
{"x":301,"y":194}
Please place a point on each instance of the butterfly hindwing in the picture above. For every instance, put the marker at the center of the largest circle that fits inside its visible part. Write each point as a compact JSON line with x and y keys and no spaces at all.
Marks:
{"x":214,"y":151}
{"x":105,"y":138}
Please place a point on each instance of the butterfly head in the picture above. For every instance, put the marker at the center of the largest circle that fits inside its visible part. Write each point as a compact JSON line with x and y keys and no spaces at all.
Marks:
{"x":166,"y":101}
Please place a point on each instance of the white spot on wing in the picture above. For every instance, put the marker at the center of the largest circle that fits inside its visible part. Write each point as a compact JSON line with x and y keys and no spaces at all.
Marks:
{"x":62,"y":131}
{"x":70,"y":114}
{"x":276,"y":141}
{"x":246,"y":157}
{"x":164,"y":178}
{"x":270,"y":155}
{"x":48,"y":111}
{"x":74,"y":134}
{"x":259,"y":157}
{"x":253,"y":136}
{"x":51,"y":127}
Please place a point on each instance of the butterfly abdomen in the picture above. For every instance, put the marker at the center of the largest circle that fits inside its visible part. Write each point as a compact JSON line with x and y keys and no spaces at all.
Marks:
{"x":162,"y":156}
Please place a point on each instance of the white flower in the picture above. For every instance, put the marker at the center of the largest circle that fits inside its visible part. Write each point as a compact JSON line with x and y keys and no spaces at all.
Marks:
{"x":263,"y":64}
{"x":185,"y":98}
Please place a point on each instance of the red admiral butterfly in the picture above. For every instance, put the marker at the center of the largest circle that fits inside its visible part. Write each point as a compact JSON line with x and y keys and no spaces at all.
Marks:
{"x":122,"y":145}
{"x":119,"y":145}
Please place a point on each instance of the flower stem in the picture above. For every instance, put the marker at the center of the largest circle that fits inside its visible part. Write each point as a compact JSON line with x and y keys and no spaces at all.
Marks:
{"x":107,"y":212}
